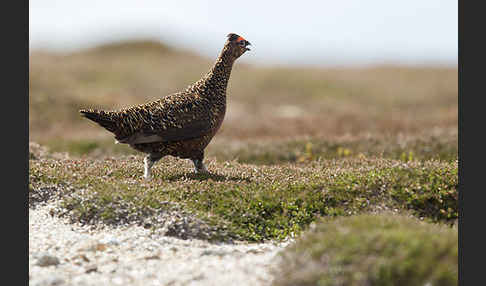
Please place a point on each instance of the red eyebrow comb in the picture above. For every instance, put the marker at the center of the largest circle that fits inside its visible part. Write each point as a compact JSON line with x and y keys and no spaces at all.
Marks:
{"x":240,"y":39}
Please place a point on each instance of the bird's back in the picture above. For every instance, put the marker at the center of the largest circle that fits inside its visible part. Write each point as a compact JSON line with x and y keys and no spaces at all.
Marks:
{"x":179,"y":116}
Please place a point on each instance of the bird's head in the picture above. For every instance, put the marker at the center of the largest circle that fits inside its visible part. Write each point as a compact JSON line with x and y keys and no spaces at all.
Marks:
{"x":237,"y":45}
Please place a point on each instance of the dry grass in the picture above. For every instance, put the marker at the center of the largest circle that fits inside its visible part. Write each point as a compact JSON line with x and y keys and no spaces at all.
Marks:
{"x":263,"y":103}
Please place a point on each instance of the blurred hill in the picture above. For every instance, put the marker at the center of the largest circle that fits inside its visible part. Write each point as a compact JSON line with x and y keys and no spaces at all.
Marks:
{"x":273,"y":102}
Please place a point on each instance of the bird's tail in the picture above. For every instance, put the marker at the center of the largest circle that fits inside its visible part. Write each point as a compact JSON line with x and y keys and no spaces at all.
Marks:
{"x":103,"y":118}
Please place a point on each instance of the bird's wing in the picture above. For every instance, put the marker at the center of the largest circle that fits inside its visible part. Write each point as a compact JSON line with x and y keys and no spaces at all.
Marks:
{"x":168,"y":119}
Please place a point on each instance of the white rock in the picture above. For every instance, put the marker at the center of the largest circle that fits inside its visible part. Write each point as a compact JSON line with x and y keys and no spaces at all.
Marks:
{"x":177,"y":262}
{"x":47,"y":260}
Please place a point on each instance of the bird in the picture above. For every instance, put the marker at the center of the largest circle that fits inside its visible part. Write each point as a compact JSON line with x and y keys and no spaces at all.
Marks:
{"x":180,"y":124}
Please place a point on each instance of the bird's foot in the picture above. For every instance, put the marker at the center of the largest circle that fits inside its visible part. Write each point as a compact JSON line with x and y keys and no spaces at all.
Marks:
{"x":147,"y":176}
{"x":199,"y":167}
{"x":201,"y":170}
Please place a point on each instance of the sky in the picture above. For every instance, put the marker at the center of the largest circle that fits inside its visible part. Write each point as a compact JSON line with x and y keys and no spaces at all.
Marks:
{"x":324,"y":33}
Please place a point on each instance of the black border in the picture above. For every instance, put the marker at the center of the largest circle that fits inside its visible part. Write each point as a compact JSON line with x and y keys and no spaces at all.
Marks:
{"x":23,"y":129}
{"x":15,"y":135}
{"x":460,"y":187}
{"x":471,"y":145}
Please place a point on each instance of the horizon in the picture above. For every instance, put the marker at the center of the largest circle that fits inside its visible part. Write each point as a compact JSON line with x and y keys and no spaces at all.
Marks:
{"x":375,"y":33}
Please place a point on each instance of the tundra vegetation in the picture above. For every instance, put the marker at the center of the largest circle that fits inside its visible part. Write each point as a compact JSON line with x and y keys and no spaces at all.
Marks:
{"x":358,"y":164}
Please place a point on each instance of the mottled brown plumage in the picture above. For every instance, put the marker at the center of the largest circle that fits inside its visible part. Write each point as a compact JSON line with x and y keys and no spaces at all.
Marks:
{"x":181,"y":124}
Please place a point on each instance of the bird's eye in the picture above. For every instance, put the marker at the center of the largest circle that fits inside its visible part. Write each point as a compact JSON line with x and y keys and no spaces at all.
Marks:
{"x":241,"y":43}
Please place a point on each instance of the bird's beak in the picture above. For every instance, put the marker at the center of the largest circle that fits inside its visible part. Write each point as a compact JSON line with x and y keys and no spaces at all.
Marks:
{"x":246,"y":45}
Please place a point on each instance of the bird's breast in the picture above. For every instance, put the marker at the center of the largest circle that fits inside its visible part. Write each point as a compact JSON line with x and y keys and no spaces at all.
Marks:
{"x":218,"y":116}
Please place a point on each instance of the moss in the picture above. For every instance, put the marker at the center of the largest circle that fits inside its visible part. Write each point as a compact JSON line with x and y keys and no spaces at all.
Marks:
{"x":249,"y":202}
{"x":371,"y":250}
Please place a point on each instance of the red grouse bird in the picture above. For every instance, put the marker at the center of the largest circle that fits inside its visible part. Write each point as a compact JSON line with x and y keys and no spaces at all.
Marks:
{"x":181,"y":124}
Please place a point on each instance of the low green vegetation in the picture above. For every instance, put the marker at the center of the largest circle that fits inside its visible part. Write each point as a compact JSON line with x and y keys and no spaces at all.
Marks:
{"x":383,"y":249}
{"x":424,"y":147}
{"x":253,"y":203}
{"x":91,"y":148}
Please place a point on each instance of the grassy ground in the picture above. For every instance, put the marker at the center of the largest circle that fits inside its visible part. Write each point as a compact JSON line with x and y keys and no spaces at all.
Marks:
{"x":248,"y":202}
{"x":297,"y":145}
{"x":372,"y":250}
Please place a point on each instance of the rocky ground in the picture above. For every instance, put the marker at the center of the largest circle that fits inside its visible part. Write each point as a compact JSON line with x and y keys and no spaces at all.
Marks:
{"x":61,"y":253}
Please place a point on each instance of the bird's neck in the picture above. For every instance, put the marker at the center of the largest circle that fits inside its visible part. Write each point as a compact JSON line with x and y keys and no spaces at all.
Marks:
{"x":221,"y":69}
{"x":218,"y":76}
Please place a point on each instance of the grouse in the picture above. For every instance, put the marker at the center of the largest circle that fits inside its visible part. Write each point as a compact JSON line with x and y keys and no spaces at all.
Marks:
{"x":181,"y":124}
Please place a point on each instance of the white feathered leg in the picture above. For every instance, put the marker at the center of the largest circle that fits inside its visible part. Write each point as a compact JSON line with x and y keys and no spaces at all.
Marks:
{"x":147,"y":174}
